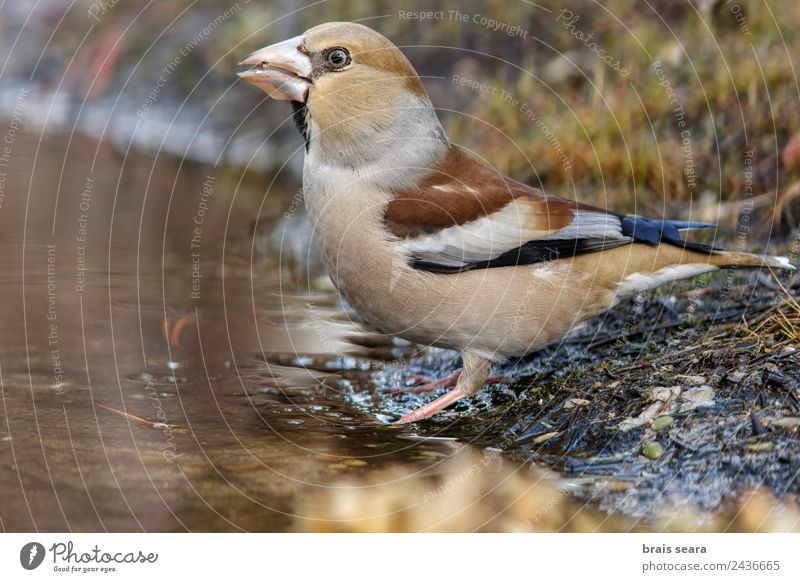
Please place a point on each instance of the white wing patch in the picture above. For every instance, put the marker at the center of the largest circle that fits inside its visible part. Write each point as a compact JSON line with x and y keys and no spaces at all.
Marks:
{"x":505,"y":230}
{"x":480,"y":240}
{"x":594,"y":225}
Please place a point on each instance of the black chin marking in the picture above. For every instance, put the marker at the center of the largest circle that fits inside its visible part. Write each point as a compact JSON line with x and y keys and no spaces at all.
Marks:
{"x":300,"y":115}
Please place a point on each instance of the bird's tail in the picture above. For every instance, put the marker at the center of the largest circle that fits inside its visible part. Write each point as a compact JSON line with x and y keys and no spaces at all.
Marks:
{"x":667,"y":232}
{"x":628,"y":270}
{"x":726,"y":259}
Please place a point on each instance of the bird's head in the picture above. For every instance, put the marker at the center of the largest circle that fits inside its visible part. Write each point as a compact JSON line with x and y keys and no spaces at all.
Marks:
{"x":356,"y":96}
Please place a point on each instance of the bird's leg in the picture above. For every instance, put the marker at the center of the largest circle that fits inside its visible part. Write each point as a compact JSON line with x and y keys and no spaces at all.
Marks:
{"x":472,"y":378}
{"x":429,"y":385}
{"x":426,"y":384}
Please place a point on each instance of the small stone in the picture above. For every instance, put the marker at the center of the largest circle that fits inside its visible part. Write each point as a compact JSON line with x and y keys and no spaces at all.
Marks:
{"x":692,"y":380}
{"x":789,"y":422}
{"x":664,"y":393}
{"x":760,"y":447}
{"x":546,"y":437}
{"x":662,"y":422}
{"x":736,"y":376}
{"x":574,"y":402}
{"x":652,"y":450}
{"x":663,"y":400}
{"x":698,"y":397}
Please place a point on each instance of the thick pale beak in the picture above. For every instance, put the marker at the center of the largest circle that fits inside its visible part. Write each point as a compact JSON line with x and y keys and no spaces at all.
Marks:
{"x":281,"y":70}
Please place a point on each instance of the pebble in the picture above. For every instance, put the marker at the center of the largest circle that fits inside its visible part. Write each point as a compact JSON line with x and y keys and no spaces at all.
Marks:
{"x":737,"y":376}
{"x":692,"y":380}
{"x":698,"y":397}
{"x":789,"y":422}
{"x":664,"y":394}
{"x":574,"y":402}
{"x":662,"y":399}
{"x":760,"y":447}
{"x":662,"y":422}
{"x":652,"y":450}
{"x":546,"y":437}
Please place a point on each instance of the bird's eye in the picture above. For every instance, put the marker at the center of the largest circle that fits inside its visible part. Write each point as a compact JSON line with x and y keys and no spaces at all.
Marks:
{"x":338,"y":58}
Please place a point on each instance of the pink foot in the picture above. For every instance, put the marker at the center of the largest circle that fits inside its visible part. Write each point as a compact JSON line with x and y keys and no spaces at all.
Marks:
{"x":433,"y":407}
{"x":474,"y":374}
{"x":428,"y":385}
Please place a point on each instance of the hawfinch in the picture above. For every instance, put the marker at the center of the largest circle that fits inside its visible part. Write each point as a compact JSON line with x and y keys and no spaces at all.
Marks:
{"x":427,"y":242}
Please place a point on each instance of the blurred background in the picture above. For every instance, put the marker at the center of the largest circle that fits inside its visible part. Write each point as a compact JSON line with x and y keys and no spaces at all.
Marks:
{"x":605,"y":82}
{"x":173,"y":356}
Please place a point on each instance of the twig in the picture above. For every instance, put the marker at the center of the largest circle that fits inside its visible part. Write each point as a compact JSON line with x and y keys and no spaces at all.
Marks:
{"x":127,"y":415}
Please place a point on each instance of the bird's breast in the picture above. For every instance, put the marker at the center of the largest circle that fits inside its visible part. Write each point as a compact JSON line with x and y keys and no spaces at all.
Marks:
{"x":365,"y":265}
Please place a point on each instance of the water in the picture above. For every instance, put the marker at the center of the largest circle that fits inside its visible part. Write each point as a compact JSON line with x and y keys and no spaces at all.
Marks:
{"x":107,"y":425}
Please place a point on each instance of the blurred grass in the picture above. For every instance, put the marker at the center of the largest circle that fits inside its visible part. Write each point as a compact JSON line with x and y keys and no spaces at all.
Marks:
{"x":737,"y":87}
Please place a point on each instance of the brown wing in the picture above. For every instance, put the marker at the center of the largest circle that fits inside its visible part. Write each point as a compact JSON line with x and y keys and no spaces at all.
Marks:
{"x":467,"y":215}
{"x":463,"y":189}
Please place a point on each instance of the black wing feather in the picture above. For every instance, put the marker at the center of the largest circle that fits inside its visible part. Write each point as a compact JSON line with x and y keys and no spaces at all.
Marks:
{"x":634,"y":229}
{"x":657,"y":231}
{"x":528,"y":254}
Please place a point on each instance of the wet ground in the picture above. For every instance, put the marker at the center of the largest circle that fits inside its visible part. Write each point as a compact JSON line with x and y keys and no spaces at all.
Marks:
{"x":167,"y":363}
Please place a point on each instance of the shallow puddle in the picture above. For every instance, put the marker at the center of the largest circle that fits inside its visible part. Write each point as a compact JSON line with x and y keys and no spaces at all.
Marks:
{"x":159,"y":372}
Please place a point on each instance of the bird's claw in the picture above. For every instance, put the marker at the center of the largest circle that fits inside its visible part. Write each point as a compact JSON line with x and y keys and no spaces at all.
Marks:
{"x":426,"y":384}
